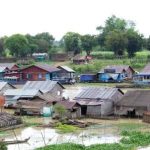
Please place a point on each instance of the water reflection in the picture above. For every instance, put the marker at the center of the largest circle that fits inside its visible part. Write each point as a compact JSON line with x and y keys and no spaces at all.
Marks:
{"x":40,"y":137}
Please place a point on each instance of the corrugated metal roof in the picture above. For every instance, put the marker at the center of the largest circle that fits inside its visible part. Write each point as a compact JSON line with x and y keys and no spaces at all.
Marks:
{"x":2,"y":84}
{"x":44,"y":86}
{"x":8,"y":65}
{"x":21,"y":92}
{"x":90,"y":102}
{"x":98,"y":93}
{"x":67,"y":68}
{"x":135,"y":98}
{"x":45,"y":67}
{"x":146,"y":69}
{"x":2,"y":69}
{"x":117,"y":68}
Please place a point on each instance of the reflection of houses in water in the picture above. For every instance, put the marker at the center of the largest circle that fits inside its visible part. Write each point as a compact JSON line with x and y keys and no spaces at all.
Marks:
{"x":143,"y":77}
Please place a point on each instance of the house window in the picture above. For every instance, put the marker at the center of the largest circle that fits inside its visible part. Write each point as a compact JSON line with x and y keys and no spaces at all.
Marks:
{"x":39,"y":76}
{"x":29,"y":76}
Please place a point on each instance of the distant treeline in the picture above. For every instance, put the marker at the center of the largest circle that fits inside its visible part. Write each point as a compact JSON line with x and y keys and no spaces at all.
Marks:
{"x":117,"y":35}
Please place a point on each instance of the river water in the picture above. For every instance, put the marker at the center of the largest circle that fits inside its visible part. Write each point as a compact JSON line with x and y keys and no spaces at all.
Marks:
{"x":45,"y":136}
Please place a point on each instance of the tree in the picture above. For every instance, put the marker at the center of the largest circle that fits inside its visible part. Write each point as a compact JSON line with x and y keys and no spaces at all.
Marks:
{"x":134,"y":42}
{"x":72,"y":42}
{"x":112,"y":23}
{"x":60,"y":110}
{"x":117,"y":42}
{"x":17,"y":44}
{"x":88,"y":42}
{"x":44,"y":41}
{"x":148,"y":43}
{"x":1,"y":46}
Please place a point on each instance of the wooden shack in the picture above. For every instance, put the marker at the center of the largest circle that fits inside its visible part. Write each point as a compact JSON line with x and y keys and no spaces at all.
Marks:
{"x":98,"y":101}
{"x":146,"y":117}
{"x":133,"y":103}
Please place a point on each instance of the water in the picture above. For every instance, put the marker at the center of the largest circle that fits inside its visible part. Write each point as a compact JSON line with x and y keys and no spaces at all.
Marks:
{"x":40,"y":137}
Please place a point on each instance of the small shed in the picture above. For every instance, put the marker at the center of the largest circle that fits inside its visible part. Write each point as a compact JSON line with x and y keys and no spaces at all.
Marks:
{"x":47,"y":87}
{"x":40,"y":56}
{"x":116,"y":73}
{"x":143,"y":78}
{"x":13,"y":95}
{"x":134,"y":103}
{"x":98,"y":101}
{"x":35,"y":105}
{"x":66,"y":75}
{"x":78,"y":59}
{"x":73,"y":109}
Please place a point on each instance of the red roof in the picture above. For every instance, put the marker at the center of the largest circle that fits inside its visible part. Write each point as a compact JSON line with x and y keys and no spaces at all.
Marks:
{"x":45,"y":67}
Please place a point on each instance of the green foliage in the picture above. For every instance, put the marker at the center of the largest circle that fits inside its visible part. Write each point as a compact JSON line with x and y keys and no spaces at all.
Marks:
{"x":88,"y":42}
{"x":134,"y":42}
{"x":130,"y":141}
{"x":72,"y":42}
{"x":3,"y":146}
{"x":60,"y":110}
{"x":17,"y":44}
{"x":136,"y":138}
{"x":64,"y":128}
{"x":116,"y":41}
{"x":119,"y":35}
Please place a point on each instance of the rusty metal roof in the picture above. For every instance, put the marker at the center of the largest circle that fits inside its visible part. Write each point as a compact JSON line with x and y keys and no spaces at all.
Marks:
{"x":44,"y":86}
{"x":135,"y":98}
{"x":117,"y":68}
{"x":98,"y":93}
{"x":67,"y":104}
{"x":90,"y":102}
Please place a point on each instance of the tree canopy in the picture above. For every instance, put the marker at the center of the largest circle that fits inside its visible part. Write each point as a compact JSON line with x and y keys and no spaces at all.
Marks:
{"x":72,"y":42}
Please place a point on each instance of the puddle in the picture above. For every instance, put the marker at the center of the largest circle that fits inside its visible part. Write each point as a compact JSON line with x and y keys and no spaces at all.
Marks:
{"x":40,"y":137}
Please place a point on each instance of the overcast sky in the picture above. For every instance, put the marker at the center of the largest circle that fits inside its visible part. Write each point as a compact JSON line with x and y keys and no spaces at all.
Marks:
{"x":60,"y":16}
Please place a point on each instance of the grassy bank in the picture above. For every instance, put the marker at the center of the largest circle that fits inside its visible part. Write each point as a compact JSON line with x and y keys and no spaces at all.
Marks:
{"x":130,"y":141}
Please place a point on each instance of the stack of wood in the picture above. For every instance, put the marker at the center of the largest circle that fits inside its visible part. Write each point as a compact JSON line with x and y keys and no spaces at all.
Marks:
{"x":7,"y":120}
{"x":77,"y":123}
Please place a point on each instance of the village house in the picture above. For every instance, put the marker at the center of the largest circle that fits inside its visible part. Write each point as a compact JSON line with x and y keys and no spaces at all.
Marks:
{"x":48,"y":87}
{"x":10,"y":66}
{"x":40,"y":72}
{"x":116,"y":73}
{"x":5,"y":86}
{"x":66,"y":75}
{"x":134,"y":103}
{"x":40,"y":56}
{"x":143,"y":77}
{"x":98,"y":101}
{"x":13,"y":95}
{"x":78,"y":59}
{"x":73,"y":109}
{"x":35,"y":106}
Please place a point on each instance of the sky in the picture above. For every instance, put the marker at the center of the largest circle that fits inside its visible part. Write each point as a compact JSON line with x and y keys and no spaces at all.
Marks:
{"x":61,"y":16}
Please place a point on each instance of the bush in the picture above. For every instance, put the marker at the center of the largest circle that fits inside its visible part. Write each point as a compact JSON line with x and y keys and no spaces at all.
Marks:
{"x":3,"y":146}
